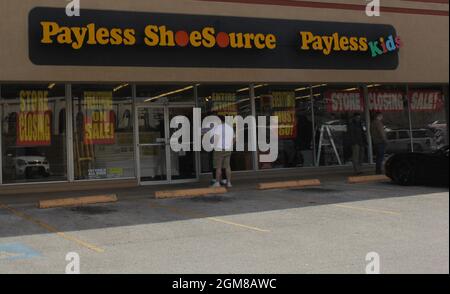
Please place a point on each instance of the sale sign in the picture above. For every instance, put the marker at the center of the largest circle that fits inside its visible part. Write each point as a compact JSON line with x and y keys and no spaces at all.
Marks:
{"x":422,"y":101}
{"x":34,"y":119}
{"x":99,"y":119}
{"x":283,"y":105}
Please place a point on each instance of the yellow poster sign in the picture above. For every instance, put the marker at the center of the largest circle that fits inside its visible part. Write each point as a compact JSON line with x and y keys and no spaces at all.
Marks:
{"x":99,"y":119}
{"x":224,"y":104}
{"x":34,"y":119}
{"x":283,"y":105}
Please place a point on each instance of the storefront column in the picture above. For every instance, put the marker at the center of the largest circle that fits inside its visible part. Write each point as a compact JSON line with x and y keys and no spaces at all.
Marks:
{"x":1,"y":136}
{"x":69,"y":134}
{"x":253,"y":109}
{"x":368,"y":123}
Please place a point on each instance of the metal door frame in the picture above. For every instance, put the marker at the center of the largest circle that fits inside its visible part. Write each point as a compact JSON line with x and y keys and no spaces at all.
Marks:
{"x":166,"y":107}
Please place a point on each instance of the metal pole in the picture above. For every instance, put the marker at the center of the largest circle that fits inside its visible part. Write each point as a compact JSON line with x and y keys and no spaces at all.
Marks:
{"x":253,"y":109}
{"x":134,"y":112}
{"x":446,"y":102}
{"x":313,"y":118}
{"x":368,"y":123}
{"x":197,"y":154}
{"x":409,"y":118}
{"x":69,"y":134}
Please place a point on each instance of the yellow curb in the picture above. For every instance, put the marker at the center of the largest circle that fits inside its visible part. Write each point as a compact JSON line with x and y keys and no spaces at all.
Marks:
{"x":189,"y":193}
{"x":368,"y":179}
{"x":65,"y":202}
{"x":289,"y":184}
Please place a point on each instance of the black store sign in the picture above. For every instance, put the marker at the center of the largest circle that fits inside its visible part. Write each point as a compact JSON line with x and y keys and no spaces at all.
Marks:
{"x":117,"y":38}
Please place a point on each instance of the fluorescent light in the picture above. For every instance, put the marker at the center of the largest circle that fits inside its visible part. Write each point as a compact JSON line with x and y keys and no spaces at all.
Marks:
{"x":301,"y":89}
{"x":255,"y":87}
{"x":307,"y":96}
{"x":313,"y":87}
{"x":120,"y":87}
{"x":170,"y":93}
{"x":51,"y":86}
{"x":319,"y":86}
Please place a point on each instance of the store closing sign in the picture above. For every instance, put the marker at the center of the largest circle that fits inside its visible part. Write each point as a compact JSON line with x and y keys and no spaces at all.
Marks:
{"x":384,"y":101}
{"x":426,"y":101}
{"x":116,"y":38}
{"x":34,"y":119}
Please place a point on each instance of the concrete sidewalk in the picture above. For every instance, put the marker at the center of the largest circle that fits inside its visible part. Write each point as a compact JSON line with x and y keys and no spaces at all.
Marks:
{"x":242,"y":181}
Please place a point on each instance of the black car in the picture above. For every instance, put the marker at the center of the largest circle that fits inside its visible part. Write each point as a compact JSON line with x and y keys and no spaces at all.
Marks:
{"x":419,"y":168}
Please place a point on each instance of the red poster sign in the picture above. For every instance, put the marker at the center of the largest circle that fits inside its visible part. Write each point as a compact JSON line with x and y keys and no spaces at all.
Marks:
{"x":386,"y":101}
{"x":353,"y":101}
{"x":344,"y":101}
{"x":424,"y":101}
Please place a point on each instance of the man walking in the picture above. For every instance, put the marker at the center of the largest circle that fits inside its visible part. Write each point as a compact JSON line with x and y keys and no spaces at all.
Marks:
{"x":357,"y":139}
{"x":223,"y":147}
{"x":379,"y":141}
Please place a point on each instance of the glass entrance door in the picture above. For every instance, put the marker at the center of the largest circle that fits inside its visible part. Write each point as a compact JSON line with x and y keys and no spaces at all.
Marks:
{"x":157,"y":162}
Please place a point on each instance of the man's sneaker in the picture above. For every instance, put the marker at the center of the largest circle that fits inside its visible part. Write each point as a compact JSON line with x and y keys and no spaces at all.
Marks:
{"x":229,"y":185}
{"x":216,"y":185}
{"x":224,"y":182}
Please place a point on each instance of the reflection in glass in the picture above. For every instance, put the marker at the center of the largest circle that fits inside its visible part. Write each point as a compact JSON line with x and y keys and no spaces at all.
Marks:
{"x":226,"y":100}
{"x":33,"y":133}
{"x":183,"y":162}
{"x":428,"y":118}
{"x":103,"y":132}
{"x":292,"y":105}
{"x":334,"y":107}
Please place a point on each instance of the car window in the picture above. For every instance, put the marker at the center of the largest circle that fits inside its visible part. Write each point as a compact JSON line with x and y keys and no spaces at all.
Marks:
{"x":392,"y":135}
{"x":24,"y":152}
{"x":420,"y":134}
{"x":403,"y":135}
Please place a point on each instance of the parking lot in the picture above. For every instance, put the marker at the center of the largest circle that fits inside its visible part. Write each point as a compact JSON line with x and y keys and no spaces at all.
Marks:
{"x":328,"y":229}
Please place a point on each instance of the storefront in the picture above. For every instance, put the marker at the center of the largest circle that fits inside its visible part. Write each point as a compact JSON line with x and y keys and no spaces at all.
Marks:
{"x":91,"y":98}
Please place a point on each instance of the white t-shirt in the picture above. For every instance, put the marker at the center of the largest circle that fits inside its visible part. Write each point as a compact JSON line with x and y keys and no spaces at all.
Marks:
{"x":224,"y":137}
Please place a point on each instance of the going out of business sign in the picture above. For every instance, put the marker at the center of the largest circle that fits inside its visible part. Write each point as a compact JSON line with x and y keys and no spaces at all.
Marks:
{"x":385,"y":101}
{"x":117,"y":38}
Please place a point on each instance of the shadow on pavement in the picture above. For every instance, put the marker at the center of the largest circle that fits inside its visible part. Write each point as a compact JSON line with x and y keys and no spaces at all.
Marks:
{"x":137,"y":206}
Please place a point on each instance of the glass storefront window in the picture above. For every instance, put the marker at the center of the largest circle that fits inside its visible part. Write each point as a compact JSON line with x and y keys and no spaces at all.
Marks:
{"x":148,"y":94}
{"x":428,"y":117}
{"x":33,"y":133}
{"x":292,"y":105}
{"x":103,"y":132}
{"x":391,"y":101}
{"x":334,"y":107}
{"x":226,"y":100}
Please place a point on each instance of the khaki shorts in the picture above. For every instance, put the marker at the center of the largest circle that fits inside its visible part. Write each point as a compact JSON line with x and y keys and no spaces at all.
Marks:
{"x":222,"y":159}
